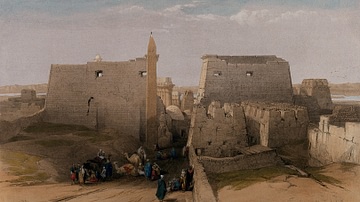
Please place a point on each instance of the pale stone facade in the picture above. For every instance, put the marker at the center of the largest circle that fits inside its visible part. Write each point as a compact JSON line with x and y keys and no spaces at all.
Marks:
{"x":239,"y":78}
{"x":100,"y":94}
{"x":187,"y":102}
{"x":314,"y":94}
{"x":275,"y":124}
{"x":27,"y":104}
{"x":218,"y":132}
{"x":319,"y":89}
{"x":165,"y":90}
{"x":175,"y":98}
{"x":330,"y":143}
{"x":337,"y":138}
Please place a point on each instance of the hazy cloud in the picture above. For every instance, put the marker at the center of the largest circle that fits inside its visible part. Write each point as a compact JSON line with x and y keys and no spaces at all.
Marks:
{"x":319,"y":40}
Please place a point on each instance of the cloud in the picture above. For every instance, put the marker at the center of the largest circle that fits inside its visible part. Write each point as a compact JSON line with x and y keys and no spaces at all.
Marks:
{"x":179,"y":8}
{"x":265,"y":16}
{"x":208,"y":17}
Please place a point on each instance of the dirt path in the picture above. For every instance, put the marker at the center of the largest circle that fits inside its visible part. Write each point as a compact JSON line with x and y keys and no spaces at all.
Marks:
{"x":127,"y":188}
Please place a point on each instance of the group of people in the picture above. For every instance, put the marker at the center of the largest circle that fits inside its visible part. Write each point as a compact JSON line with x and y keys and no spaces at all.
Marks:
{"x":94,"y":170}
{"x":100,"y":169}
{"x":150,"y":171}
{"x":185,"y":182}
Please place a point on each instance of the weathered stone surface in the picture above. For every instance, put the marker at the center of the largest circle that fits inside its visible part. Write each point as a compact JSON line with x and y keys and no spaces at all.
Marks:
{"x":275,"y":124}
{"x":232,"y":79}
{"x":330,"y":143}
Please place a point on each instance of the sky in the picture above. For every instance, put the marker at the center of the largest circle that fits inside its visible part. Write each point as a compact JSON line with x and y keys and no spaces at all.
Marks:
{"x":319,"y":38}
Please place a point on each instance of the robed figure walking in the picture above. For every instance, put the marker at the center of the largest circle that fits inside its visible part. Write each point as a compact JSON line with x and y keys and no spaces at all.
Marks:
{"x":161,"y":188}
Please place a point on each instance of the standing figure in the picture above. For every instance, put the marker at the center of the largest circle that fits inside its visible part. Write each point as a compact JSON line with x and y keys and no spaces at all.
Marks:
{"x":142,"y":154}
{"x":189,"y":178}
{"x":103,"y":173}
{"x":109,"y":168}
{"x":173,"y":153}
{"x":73,"y":173}
{"x":183,"y":180}
{"x":161,"y":188}
{"x":147,"y":169}
{"x":82,"y":175}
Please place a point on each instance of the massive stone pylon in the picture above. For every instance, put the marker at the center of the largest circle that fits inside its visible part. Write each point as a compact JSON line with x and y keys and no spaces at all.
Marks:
{"x":151,"y":94}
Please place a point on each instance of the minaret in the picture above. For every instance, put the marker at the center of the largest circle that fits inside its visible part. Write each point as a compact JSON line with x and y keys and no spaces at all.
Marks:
{"x":151,"y":94}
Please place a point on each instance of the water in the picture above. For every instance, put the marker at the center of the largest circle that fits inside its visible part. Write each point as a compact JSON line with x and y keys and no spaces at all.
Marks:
{"x":345,"y":98}
{"x":17,"y":94}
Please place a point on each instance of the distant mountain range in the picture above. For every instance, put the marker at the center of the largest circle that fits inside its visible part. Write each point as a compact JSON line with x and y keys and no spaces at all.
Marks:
{"x":347,"y":89}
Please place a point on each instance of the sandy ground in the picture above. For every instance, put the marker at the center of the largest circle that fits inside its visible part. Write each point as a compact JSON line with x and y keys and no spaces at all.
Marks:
{"x":285,"y":188}
{"x":282,"y":188}
{"x":124,"y":189}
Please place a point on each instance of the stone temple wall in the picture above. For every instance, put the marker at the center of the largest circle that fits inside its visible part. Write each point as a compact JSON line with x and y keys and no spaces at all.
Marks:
{"x":98,"y":95}
{"x":330,"y":143}
{"x":218,"y":131}
{"x":275,"y":124}
{"x":232,"y":79}
{"x":315,"y":95}
{"x":319,"y":89}
{"x":261,"y":157}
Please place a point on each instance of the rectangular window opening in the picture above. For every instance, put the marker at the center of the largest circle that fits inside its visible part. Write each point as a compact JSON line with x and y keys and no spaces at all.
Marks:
{"x":217,"y":73}
{"x":142,"y":73}
{"x":249,"y":73}
{"x":99,"y":73}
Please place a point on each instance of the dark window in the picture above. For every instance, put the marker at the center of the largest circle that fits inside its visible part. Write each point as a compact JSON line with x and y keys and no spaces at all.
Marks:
{"x":99,"y":73}
{"x":142,"y":73}
{"x":249,"y":73}
{"x":217,"y":73}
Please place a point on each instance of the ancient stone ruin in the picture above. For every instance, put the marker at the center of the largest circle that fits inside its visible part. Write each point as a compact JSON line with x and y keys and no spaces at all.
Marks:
{"x":101,"y":94}
{"x":27,"y":104}
{"x":239,"y":78}
{"x":337,"y":138}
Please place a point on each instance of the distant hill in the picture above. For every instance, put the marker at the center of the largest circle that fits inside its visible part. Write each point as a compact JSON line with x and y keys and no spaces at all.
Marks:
{"x":345,"y":89}
{"x":39,"y":88}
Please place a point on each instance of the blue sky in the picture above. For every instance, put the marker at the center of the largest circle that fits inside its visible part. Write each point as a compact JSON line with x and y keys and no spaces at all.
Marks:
{"x":319,"y":38}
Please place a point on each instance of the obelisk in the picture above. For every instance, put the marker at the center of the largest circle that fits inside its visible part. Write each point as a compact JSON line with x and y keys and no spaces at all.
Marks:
{"x":151,"y":94}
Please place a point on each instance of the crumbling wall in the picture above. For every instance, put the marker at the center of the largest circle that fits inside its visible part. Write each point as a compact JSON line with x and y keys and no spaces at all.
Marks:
{"x":218,"y":131}
{"x":257,"y":157}
{"x":275,"y":124}
{"x":319,"y":89}
{"x":311,"y":105}
{"x":232,"y":79}
{"x":98,"y":95}
{"x":187,"y":102}
{"x":344,"y":113}
{"x":25,"y":105}
{"x":330,"y":143}
{"x":28,"y":94}
{"x":202,"y":189}
{"x":315,"y":95}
